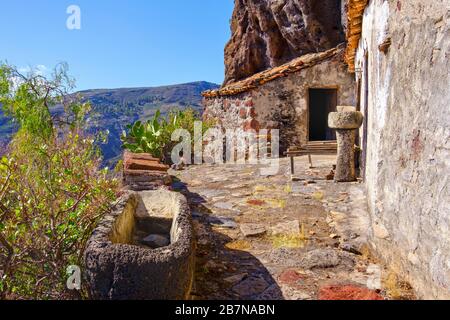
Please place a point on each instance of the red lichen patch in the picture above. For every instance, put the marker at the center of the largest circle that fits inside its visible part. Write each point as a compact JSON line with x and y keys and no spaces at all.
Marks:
{"x":255,"y":202}
{"x":226,"y":105}
{"x":243,"y":113}
{"x":249,"y":103}
{"x":348,"y":292}
{"x":238,"y":103}
{"x":399,"y":6}
{"x":252,"y":112}
{"x":252,"y":125}
{"x":417,"y":145}
{"x":290,"y":277}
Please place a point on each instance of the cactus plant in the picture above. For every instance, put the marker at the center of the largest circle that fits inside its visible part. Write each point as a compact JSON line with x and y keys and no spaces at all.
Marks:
{"x":146,"y":137}
{"x":155,"y":136}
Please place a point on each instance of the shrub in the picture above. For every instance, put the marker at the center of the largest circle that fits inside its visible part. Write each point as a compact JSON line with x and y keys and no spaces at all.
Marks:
{"x":52,"y":192}
{"x":155,"y":136}
{"x":146,"y":137}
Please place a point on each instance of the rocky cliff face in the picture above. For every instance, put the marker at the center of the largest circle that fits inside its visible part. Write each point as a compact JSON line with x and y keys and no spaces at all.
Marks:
{"x":268,"y":33}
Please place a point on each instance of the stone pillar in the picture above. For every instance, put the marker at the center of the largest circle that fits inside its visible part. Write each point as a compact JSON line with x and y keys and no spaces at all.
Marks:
{"x":346,"y":123}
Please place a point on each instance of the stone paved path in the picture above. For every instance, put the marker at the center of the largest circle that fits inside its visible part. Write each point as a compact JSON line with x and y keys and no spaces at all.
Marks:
{"x":273,"y":238}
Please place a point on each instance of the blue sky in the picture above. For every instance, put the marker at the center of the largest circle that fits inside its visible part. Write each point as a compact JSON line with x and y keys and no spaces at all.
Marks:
{"x":126,"y":43}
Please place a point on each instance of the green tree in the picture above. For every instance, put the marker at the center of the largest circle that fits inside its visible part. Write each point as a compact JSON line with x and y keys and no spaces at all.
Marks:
{"x":52,"y":190}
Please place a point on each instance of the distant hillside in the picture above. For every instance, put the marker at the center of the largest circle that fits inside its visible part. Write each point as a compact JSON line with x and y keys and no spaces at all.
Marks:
{"x":6,"y":130}
{"x":113,"y":109}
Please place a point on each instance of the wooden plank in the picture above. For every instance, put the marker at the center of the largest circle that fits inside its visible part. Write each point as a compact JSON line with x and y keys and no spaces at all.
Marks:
{"x":330,"y":146}
{"x":311,"y":153}
{"x":313,"y":149}
{"x":319,"y":146}
{"x":321,"y":142}
{"x":316,"y":145}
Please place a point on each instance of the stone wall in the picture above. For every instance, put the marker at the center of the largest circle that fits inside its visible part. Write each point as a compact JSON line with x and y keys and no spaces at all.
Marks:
{"x":283,"y":103}
{"x":408,"y":152}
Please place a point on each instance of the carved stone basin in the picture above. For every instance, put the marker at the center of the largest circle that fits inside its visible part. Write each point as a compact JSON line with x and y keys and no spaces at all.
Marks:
{"x":347,"y":120}
{"x":143,"y":250}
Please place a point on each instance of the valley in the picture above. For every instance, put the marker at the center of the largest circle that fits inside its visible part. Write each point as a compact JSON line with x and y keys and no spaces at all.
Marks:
{"x":113,"y":109}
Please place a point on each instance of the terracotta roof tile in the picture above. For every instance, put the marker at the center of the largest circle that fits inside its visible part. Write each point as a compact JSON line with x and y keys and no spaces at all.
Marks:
{"x":261,"y":78}
{"x":355,"y":13}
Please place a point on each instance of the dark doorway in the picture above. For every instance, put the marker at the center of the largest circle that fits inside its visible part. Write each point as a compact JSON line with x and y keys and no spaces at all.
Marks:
{"x":321,"y":103}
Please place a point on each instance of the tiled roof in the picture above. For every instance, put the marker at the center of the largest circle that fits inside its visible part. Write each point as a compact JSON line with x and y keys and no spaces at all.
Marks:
{"x":355,"y":13}
{"x":261,"y":78}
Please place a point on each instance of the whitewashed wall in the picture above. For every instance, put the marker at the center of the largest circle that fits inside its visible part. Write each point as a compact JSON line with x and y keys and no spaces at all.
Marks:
{"x":408,"y":159}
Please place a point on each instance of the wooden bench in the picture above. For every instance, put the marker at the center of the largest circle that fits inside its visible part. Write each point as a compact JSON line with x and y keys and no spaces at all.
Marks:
{"x":311,"y":148}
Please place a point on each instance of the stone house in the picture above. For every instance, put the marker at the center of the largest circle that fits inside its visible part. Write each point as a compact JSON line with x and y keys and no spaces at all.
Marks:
{"x":397,"y":73}
{"x":399,"y":52}
{"x":294,"y":98}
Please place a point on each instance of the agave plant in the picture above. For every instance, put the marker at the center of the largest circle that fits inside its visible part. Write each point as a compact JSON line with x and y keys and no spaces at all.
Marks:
{"x":146,"y":137}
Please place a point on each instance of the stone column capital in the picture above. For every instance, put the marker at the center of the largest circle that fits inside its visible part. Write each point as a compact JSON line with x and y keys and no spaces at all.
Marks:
{"x":347,"y":120}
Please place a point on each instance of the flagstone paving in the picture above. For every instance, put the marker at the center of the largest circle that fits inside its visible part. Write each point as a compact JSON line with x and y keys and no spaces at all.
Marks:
{"x":269,"y":237}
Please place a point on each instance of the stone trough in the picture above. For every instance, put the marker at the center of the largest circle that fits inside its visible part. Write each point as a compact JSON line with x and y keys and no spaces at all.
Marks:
{"x":143,"y":250}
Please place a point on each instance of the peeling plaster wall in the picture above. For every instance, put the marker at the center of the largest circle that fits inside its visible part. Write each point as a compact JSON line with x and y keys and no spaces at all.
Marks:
{"x":283,"y":103}
{"x":408,"y":153}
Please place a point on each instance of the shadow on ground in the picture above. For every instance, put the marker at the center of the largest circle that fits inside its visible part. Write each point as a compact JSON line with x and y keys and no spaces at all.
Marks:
{"x":224,"y":270}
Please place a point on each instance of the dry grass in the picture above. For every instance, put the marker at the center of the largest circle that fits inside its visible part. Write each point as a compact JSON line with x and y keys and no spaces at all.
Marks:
{"x":288,"y":241}
{"x":277,"y":203}
{"x":366,"y":253}
{"x":318,"y":195}
{"x":241,"y":245}
{"x":288,"y":189}
{"x":397,"y":289}
{"x":291,"y":241}
{"x":259,"y":189}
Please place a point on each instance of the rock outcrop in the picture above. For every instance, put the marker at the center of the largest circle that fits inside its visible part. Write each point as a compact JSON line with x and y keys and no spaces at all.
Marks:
{"x":269,"y":33}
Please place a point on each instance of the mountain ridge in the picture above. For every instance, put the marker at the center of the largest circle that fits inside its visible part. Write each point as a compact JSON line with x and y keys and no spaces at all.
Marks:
{"x":113,"y":109}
